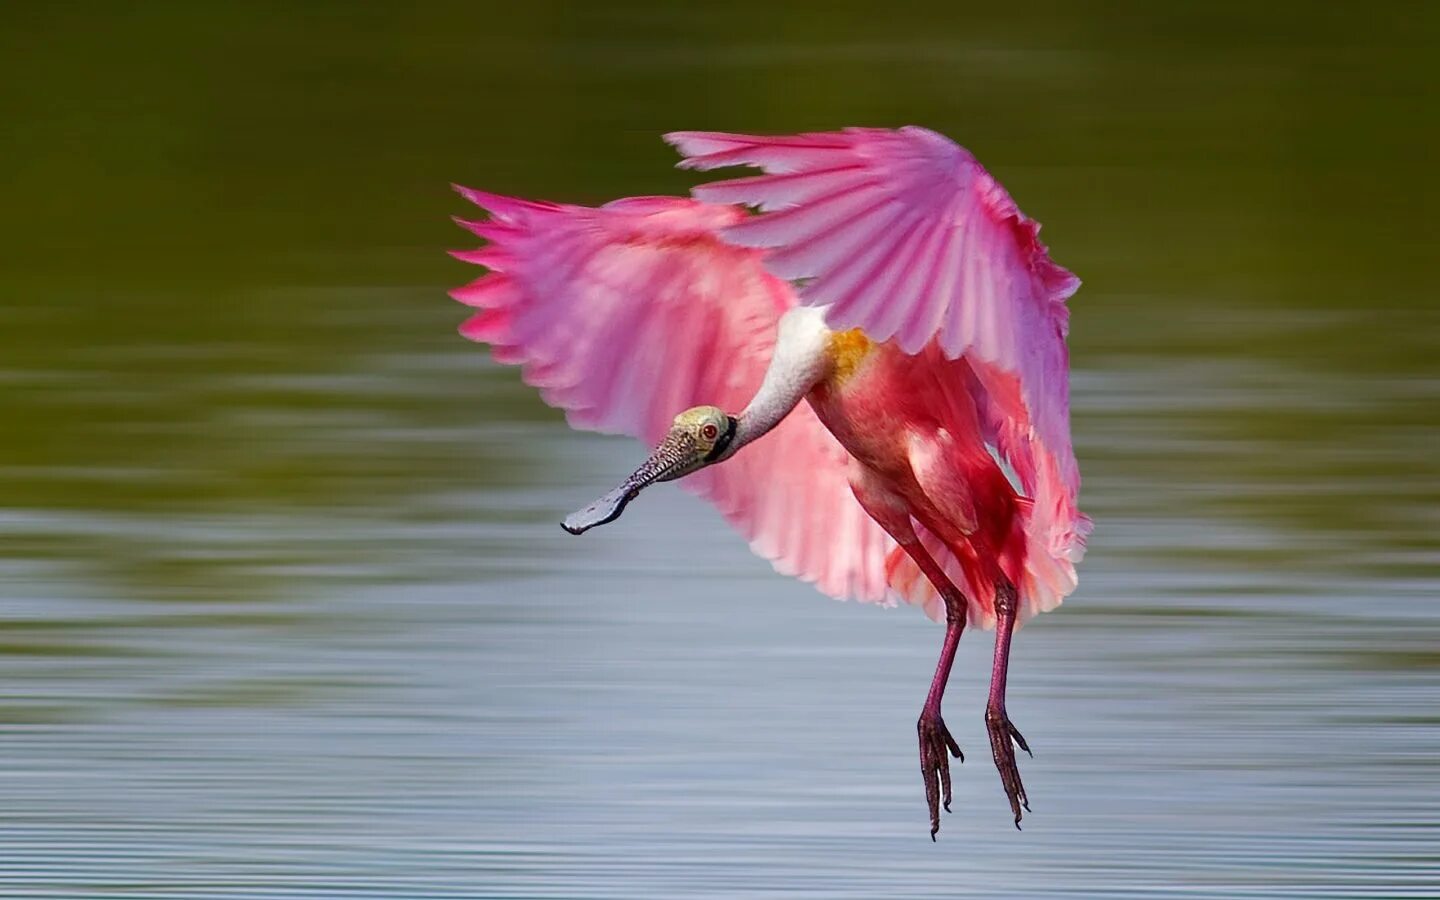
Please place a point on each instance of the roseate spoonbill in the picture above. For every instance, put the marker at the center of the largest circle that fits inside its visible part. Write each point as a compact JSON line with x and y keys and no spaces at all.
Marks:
{"x":892,"y":283}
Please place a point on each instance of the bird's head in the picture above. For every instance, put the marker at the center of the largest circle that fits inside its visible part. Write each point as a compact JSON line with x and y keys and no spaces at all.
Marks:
{"x":697,"y":438}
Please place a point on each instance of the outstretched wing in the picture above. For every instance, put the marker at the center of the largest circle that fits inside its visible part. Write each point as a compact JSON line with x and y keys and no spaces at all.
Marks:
{"x":627,"y":314}
{"x":905,"y":235}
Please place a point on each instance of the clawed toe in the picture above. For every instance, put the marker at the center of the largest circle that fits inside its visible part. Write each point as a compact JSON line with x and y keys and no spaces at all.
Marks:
{"x":1004,"y":737}
{"x":935,"y":743}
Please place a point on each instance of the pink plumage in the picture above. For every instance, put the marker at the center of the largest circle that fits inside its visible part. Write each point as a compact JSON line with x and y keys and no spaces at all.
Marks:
{"x":905,"y":235}
{"x":932,"y":460}
{"x":624,"y":315}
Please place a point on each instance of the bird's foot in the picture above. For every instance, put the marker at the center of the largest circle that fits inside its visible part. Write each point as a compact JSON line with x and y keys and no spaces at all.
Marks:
{"x":1001,"y":735}
{"x":935,"y":742}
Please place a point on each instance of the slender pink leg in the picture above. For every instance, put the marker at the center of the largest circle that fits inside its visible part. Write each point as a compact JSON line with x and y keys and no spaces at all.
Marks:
{"x":1001,"y":731}
{"x":935,"y":738}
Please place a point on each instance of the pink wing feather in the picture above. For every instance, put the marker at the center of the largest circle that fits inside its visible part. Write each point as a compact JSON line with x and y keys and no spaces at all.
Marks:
{"x":905,"y":235}
{"x":627,"y":314}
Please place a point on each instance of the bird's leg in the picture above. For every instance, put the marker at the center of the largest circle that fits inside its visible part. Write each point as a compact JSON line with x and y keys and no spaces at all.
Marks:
{"x":1002,"y":733}
{"x":935,"y":740}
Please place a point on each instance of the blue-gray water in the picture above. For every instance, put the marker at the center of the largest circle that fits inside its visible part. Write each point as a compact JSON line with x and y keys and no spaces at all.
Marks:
{"x":285,"y":610}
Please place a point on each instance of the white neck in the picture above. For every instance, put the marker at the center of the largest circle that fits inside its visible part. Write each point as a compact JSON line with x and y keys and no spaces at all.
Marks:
{"x":798,"y":364}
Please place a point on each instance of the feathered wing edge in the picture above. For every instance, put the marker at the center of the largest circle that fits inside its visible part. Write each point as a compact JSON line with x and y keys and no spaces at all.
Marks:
{"x":899,"y":228}
{"x":594,"y":302}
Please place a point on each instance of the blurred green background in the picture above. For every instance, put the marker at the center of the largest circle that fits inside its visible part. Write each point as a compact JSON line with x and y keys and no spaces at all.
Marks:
{"x":209,"y":203}
{"x":235,"y":405}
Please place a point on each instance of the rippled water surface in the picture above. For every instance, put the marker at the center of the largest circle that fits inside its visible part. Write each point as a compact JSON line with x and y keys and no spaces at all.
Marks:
{"x":284,"y":610}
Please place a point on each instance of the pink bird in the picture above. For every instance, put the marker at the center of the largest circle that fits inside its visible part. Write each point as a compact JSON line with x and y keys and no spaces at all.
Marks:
{"x":891,"y":284}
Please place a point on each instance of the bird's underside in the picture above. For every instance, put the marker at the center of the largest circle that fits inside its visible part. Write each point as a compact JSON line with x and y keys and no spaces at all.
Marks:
{"x":925,"y":348}
{"x":930,"y":469}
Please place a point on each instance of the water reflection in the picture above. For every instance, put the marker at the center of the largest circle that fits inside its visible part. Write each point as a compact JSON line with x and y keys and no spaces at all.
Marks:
{"x":286,"y":610}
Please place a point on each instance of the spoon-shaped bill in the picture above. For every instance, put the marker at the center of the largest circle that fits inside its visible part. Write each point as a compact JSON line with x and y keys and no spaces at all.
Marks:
{"x":673,"y":458}
{"x":605,"y":509}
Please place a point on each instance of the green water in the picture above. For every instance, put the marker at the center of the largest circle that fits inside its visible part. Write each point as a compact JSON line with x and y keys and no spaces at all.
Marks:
{"x":283,"y":608}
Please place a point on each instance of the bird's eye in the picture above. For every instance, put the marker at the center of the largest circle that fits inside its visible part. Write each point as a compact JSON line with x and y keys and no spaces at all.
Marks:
{"x":710,"y":432}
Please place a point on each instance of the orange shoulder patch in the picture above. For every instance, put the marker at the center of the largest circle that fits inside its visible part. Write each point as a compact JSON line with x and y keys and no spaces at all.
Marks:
{"x":848,"y":350}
